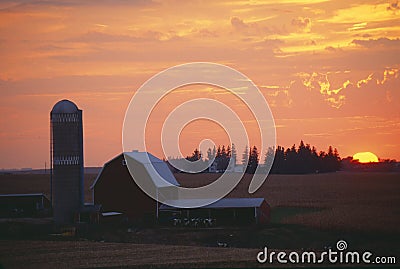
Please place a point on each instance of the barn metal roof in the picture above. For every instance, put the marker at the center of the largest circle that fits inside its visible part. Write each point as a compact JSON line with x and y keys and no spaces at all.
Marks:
{"x":157,"y":169}
{"x":222,"y":203}
{"x":143,"y":157}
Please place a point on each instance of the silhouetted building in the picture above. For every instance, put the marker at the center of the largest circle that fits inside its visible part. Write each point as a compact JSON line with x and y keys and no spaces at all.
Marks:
{"x":226,"y":211}
{"x":24,"y":205}
{"x":118,"y":194}
{"x":66,"y":161}
{"x":116,"y":191}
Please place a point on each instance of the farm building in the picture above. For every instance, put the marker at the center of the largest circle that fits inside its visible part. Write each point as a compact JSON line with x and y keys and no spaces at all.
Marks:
{"x":226,"y":211}
{"x":66,"y":152}
{"x":116,"y":191}
{"x":24,"y":205}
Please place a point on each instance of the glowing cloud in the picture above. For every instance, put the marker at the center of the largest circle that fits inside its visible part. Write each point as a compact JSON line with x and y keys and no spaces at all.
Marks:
{"x":364,"y":81}
{"x":388,"y":74}
{"x":321,"y":81}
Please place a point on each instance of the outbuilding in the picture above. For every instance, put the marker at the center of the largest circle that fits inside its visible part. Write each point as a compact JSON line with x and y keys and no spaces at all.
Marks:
{"x":226,"y":211}
{"x":24,"y":205}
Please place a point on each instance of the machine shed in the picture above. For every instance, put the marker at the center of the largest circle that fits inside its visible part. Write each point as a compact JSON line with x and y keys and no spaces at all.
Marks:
{"x":24,"y":205}
{"x":229,"y":211}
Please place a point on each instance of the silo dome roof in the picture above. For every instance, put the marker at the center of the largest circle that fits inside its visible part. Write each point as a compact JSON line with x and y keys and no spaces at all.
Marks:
{"x":64,"y":106}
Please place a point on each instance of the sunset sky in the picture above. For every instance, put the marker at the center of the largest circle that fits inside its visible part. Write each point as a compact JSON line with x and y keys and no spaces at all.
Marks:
{"x":328,"y":69}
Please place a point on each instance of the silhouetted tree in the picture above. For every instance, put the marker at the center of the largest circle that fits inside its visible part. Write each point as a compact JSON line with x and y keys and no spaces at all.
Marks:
{"x":291,"y":160}
{"x":279,"y":164}
{"x":304,"y":159}
{"x":337,"y":159}
{"x":209,"y":154}
{"x":233,"y":153}
{"x":253,"y":161}
{"x":301,"y":160}
{"x":245,"y":157}
{"x":196,"y":155}
{"x":269,"y":158}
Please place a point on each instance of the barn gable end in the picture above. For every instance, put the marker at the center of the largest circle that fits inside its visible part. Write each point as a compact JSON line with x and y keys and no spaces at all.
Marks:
{"x":115,"y":190}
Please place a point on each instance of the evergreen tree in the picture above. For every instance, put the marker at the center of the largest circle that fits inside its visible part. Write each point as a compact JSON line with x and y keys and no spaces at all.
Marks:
{"x":337,"y":159}
{"x":315,"y":160}
{"x":279,"y":165}
{"x":301,"y":160}
{"x":219,"y":151}
{"x":291,"y":159}
{"x":221,"y":166}
{"x":228,"y":151}
{"x":196,"y":155}
{"x":245,"y":158}
{"x":269,"y":158}
{"x":233,"y":154}
{"x":209,"y":154}
{"x":253,"y":161}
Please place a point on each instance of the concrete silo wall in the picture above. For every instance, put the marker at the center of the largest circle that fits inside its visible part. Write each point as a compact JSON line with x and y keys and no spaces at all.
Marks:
{"x":66,"y":193}
{"x":67,"y":164}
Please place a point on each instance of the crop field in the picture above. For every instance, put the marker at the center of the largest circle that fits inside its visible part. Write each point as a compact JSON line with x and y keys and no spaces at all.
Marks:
{"x":308,"y":212}
{"x":348,"y":201}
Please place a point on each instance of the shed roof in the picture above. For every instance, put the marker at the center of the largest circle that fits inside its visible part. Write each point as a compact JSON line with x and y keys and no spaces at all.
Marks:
{"x":22,"y":195}
{"x":111,"y":214}
{"x":222,"y":203}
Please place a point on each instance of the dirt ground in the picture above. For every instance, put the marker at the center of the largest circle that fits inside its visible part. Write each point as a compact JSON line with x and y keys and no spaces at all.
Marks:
{"x":80,"y":254}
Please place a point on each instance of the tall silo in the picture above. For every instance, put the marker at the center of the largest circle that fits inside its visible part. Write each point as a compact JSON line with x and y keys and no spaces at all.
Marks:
{"x":66,"y":151}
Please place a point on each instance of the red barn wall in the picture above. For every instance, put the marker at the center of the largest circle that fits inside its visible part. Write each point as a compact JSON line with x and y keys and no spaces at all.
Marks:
{"x":115,"y":190}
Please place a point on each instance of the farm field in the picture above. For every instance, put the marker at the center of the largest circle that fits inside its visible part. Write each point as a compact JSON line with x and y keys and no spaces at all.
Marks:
{"x":342,"y":200}
{"x":308,"y":212}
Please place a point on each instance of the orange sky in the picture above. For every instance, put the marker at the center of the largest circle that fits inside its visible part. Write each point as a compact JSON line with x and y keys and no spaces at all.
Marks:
{"x":329,"y":69}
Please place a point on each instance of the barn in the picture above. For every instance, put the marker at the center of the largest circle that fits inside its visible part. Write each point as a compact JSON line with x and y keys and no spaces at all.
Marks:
{"x":116,"y":191}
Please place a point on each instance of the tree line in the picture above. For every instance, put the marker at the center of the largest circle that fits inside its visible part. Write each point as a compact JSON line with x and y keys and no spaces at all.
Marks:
{"x":301,"y":160}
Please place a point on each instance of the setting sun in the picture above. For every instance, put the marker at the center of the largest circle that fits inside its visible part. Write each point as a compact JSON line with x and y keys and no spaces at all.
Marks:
{"x":365,"y":157}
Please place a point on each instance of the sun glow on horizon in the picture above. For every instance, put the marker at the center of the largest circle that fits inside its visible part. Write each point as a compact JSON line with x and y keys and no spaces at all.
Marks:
{"x":365,"y":157}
